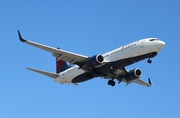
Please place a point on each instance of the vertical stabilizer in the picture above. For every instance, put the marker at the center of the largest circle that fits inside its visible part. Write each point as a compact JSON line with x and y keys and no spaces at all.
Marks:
{"x":61,"y":66}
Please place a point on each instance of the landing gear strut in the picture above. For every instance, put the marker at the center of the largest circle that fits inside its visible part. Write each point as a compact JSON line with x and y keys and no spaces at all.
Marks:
{"x":151,"y":56}
{"x":111,"y":82}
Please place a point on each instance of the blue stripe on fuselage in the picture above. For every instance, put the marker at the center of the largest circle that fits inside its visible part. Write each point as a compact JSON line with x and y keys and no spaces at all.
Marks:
{"x":115,"y":65}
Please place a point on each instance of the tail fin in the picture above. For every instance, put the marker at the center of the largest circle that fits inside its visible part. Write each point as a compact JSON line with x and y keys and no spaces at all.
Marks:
{"x":61,"y":66}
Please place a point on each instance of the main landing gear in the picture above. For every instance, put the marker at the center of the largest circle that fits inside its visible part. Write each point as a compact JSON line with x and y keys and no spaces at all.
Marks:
{"x":111,"y":82}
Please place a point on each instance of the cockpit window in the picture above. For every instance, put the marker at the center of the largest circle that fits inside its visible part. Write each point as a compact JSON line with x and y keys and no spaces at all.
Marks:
{"x":153,"y":39}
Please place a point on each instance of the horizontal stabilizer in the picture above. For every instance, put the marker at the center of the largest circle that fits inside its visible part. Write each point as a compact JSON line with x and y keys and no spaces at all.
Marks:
{"x":49,"y":74}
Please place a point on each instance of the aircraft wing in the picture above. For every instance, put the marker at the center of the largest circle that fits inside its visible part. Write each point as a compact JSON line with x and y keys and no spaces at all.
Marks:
{"x":49,"y":74}
{"x":59,"y":54}
{"x":123,"y":72}
{"x":141,"y":82}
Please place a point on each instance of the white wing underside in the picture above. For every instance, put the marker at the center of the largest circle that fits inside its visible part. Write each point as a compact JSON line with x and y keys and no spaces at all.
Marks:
{"x":60,"y":54}
{"x":141,"y":82}
{"x":70,"y":57}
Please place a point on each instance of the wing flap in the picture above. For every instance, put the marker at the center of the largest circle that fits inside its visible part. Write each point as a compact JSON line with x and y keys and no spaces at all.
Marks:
{"x":49,"y":74}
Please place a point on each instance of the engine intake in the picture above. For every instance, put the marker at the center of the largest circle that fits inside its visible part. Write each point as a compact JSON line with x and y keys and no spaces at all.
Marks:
{"x":95,"y":60}
{"x":134,"y":74}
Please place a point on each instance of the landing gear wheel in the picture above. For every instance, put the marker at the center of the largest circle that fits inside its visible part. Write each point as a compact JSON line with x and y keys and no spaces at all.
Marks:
{"x":149,"y":61}
{"x":111,"y":82}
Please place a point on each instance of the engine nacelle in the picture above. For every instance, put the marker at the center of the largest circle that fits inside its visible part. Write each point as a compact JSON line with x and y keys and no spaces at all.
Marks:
{"x":134,"y":74}
{"x":95,"y":60}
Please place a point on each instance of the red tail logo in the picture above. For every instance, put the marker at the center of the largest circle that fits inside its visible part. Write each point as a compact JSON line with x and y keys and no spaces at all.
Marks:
{"x":61,"y":66}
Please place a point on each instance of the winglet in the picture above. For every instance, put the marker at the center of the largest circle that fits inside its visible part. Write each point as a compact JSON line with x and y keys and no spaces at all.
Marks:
{"x":149,"y":81}
{"x":20,"y":37}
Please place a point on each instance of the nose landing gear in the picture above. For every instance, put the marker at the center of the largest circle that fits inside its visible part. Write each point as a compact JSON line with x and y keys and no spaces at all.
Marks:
{"x":151,"y":55}
{"x":149,"y":61}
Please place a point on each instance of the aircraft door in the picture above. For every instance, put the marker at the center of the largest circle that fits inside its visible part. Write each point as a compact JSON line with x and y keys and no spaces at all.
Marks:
{"x":62,"y":78}
{"x":141,"y":44}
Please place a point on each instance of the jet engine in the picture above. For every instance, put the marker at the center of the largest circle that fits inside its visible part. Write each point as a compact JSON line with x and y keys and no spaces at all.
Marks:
{"x":95,"y":60}
{"x":134,"y":74}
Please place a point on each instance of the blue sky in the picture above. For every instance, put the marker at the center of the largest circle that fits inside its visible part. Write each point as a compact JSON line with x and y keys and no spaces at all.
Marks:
{"x":88,"y":28}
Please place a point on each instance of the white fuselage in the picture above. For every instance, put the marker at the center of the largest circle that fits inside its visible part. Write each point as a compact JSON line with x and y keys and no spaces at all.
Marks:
{"x":134,"y":49}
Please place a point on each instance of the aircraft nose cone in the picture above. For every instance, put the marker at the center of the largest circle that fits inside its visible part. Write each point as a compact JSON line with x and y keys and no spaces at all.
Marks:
{"x":160,"y":44}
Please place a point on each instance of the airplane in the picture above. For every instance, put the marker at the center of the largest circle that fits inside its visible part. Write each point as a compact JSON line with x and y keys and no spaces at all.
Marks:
{"x":72,"y":68}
